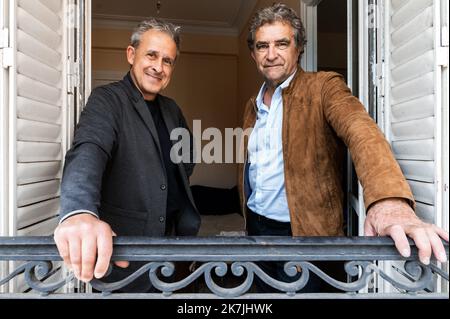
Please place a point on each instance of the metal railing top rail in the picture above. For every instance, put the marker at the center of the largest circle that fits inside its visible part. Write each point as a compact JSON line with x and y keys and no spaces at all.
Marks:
{"x":221,"y":248}
{"x":217,"y":255}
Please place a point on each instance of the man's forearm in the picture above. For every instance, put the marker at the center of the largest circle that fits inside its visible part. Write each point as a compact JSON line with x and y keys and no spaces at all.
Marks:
{"x":82,"y":179}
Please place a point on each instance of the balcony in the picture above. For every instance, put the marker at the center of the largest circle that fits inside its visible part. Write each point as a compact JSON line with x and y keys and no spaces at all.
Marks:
{"x":226,"y":268}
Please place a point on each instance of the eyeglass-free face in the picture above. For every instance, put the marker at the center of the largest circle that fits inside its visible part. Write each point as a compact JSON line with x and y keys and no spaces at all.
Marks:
{"x":275,"y":52}
{"x":263,"y":47}
{"x":152,"y":62}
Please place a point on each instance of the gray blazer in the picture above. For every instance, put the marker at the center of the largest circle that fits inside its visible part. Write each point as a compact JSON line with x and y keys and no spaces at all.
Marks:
{"x":115,"y":169}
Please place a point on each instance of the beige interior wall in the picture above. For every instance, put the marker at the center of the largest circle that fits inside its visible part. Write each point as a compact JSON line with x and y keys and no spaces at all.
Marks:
{"x":204,"y":84}
{"x":205,"y":87}
{"x":108,"y":50}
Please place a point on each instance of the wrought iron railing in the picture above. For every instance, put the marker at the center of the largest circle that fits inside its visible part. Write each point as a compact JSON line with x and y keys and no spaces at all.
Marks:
{"x":219,"y":258}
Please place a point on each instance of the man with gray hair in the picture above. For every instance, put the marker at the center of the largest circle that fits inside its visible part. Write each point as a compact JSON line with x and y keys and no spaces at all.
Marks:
{"x":295,"y":157}
{"x":118,"y":176}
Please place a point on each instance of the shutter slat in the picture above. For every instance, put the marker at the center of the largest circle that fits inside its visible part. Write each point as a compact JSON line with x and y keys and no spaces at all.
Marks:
{"x":412,"y":69}
{"x":423,"y":192}
{"x":33,"y":48}
{"x":408,"y":11}
{"x":419,"y":44}
{"x":45,"y":228}
{"x":417,"y":88}
{"x":32,"y":214}
{"x":37,"y":131}
{"x":414,"y":150}
{"x":36,"y":111}
{"x":425,"y":212}
{"x":419,"y":24}
{"x":53,"y":5}
{"x":41,"y":92}
{"x":38,"y":30}
{"x":412,"y":110}
{"x":37,"y":172}
{"x":37,"y":192}
{"x":38,"y":152}
{"x":38,"y":71}
{"x":397,"y":4}
{"x":42,"y":13}
{"x":408,"y":130}
{"x":422,"y":171}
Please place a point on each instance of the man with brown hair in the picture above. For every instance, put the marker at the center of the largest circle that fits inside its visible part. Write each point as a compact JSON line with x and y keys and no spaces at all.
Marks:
{"x":295,"y":157}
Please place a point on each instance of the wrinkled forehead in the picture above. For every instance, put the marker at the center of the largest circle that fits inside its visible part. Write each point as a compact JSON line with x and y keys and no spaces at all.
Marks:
{"x":274,"y":31}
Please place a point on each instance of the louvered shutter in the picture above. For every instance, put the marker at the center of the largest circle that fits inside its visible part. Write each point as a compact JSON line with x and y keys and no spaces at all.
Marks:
{"x":40,"y":109}
{"x":414,"y":99}
{"x":42,"y":97}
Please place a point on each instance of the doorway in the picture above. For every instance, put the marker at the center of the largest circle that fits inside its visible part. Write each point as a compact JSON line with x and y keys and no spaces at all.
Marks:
{"x":337,"y":50}
{"x":332,"y":37}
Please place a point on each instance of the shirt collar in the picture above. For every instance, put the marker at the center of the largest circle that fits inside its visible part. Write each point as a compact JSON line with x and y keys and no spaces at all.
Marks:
{"x":259,"y":98}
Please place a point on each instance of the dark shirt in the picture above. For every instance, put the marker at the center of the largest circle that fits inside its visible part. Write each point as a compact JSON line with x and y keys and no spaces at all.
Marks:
{"x":175,"y":192}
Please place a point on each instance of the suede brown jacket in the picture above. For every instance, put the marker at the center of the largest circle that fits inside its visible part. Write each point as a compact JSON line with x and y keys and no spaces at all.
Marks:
{"x":320,"y":117}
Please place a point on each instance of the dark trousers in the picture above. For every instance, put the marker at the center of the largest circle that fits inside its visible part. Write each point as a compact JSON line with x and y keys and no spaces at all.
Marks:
{"x":258,"y":225}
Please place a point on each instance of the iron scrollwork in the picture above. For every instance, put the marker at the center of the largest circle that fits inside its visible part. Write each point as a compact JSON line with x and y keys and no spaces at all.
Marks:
{"x":240,"y":261}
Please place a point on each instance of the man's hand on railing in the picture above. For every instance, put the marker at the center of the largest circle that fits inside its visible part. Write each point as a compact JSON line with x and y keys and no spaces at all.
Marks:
{"x":395,"y":218}
{"x":85,"y":244}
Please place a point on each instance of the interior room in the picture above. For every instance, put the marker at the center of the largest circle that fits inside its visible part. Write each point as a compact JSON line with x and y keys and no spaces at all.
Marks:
{"x":213,"y":78}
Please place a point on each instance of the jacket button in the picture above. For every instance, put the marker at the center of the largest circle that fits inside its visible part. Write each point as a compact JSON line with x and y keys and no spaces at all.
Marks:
{"x":163,"y":187}
{"x":161,"y":219}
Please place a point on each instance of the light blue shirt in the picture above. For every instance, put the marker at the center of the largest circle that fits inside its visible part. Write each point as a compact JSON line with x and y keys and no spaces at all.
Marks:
{"x":265,"y":156}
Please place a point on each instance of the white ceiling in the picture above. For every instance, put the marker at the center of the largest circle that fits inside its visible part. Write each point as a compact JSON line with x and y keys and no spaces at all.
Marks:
{"x":224,"y":17}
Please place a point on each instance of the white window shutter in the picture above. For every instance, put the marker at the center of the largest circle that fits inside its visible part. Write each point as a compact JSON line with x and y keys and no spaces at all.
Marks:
{"x":413,"y":101}
{"x":40,"y":108}
{"x":5,"y":63}
{"x":41,"y":39}
{"x":414,"y":98}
